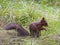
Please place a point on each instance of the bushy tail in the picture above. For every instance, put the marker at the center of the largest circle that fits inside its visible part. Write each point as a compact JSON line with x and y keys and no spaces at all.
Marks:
{"x":21,"y":31}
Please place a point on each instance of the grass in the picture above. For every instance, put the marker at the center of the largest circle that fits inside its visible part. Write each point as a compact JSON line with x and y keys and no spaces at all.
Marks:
{"x":49,"y":37}
{"x":29,"y":12}
{"x":10,"y":38}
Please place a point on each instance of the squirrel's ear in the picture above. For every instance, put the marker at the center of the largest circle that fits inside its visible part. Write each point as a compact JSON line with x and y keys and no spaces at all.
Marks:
{"x":43,"y":18}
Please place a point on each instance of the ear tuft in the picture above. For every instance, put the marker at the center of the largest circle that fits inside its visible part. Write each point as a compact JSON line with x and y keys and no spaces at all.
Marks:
{"x":43,"y":18}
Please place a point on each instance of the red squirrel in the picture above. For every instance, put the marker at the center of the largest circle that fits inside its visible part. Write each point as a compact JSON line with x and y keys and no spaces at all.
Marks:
{"x":36,"y":27}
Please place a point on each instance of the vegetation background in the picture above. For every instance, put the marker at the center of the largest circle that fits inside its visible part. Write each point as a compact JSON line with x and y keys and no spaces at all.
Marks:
{"x":26,"y":11}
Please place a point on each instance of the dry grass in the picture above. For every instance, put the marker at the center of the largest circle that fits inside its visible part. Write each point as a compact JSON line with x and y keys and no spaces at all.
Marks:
{"x":10,"y":38}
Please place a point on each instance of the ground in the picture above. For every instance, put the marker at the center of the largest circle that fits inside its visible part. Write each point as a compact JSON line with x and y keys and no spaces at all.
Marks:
{"x":11,"y":38}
